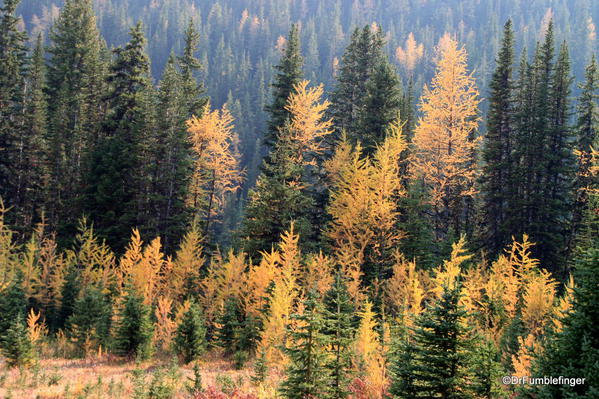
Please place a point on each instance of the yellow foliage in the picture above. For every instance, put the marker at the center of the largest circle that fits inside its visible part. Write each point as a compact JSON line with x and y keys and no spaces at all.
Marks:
{"x":538,"y":298}
{"x":187,"y":264}
{"x":350,"y":261}
{"x":370,"y":353}
{"x":443,"y":139}
{"x":95,"y":257}
{"x":53,"y":269}
{"x":404,"y":290}
{"x":410,"y":54}
{"x":36,"y":328}
{"x":217,"y":171}
{"x":449,"y":273}
{"x":259,"y":278}
{"x":144,"y":268}
{"x":282,"y":300}
{"x":308,"y":125}
{"x":165,"y":325}
{"x":318,"y":273}
{"x":564,"y":304}
{"x":364,"y":197}
{"x":7,"y":250}
{"x":225,"y":279}
{"x":522,"y":361}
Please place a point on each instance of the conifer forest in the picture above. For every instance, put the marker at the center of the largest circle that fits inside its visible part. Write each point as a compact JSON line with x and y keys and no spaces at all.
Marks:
{"x":299,"y":199}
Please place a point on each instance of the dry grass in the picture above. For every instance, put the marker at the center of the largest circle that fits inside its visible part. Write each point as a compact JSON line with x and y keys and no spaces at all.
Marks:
{"x":109,"y":378}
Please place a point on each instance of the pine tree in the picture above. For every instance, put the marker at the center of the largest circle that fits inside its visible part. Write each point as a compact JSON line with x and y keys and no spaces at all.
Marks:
{"x":260,"y":369}
{"x":289,"y":74}
{"x":13,"y":64}
{"x":339,"y":311}
{"x":134,"y":329}
{"x":487,"y":370}
{"x":308,"y":374}
{"x":403,"y":370}
{"x":283,"y":192}
{"x":441,"y":356}
{"x":76,"y":86}
{"x":496,"y":178}
{"x":117,"y":177}
{"x":16,"y":345}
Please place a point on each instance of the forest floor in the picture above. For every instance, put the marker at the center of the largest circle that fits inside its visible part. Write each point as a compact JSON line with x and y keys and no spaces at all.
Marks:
{"x":109,"y":378}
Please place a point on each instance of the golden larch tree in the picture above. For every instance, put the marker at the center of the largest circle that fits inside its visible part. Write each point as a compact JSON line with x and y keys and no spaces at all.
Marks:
{"x":409,"y":55}
{"x":216,"y":170}
{"x":443,"y":156}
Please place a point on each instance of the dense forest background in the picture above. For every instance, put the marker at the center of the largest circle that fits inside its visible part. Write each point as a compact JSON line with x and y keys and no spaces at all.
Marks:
{"x":241,"y":41}
{"x":332,"y":200}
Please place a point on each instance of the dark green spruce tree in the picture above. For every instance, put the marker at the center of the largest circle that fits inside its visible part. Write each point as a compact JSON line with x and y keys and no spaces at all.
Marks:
{"x":190,"y":337}
{"x":12,"y":303}
{"x":193,"y":91}
{"x":280,"y":195}
{"x":308,"y":375}
{"x":13,"y":65}
{"x":117,"y":180}
{"x":358,"y":64}
{"x":560,"y":170}
{"x":382,"y":105}
{"x":33,"y":164}
{"x":496,"y":178}
{"x":574,"y":351}
{"x":172,"y":163}
{"x":339,"y":311}
{"x":76,"y":87}
{"x":289,"y":73}
{"x":587,"y":128}
{"x":134,"y":329}
{"x":436,"y":361}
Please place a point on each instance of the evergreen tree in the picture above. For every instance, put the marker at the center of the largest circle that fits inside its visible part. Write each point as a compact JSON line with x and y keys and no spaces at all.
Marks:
{"x":76,"y":86}
{"x":487,"y":370}
{"x":359,"y":61}
{"x":260,"y":369}
{"x":12,"y":304}
{"x":496,"y":178}
{"x":289,"y":73}
{"x":587,"y":128}
{"x":33,"y":163}
{"x":403,"y":370}
{"x":89,"y":325}
{"x":16,"y":345}
{"x":190,"y":338}
{"x":229,"y":325}
{"x":193,"y":91}
{"x":382,"y":105}
{"x":339,"y":311}
{"x":308,"y":375}
{"x":13,"y":64}
{"x":134,"y":329}
{"x":574,"y":351}
{"x":118,"y":177}
{"x":171,"y":168}
{"x":440,"y":359}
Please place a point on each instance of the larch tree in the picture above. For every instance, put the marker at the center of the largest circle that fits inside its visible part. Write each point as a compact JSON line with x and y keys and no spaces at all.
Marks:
{"x":216,"y":171}
{"x":283,"y":193}
{"x":444,"y":144}
{"x":363,"y":204}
